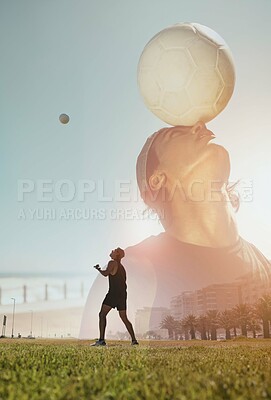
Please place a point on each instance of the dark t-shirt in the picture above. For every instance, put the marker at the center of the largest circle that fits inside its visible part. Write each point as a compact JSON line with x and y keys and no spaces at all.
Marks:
{"x":161,"y":267}
{"x":117,"y":282}
{"x":179,"y":266}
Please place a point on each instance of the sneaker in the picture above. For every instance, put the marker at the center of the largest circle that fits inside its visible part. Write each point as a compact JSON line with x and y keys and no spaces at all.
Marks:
{"x":99,"y":343}
{"x":134,"y":342}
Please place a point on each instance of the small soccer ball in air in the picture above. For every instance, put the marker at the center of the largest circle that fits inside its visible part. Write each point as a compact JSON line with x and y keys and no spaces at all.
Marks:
{"x":64,"y":118}
{"x":186,"y":74}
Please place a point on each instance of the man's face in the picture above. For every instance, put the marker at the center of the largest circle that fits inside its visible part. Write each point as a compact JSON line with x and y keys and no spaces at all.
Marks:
{"x":114,"y":254}
{"x":187,"y":154}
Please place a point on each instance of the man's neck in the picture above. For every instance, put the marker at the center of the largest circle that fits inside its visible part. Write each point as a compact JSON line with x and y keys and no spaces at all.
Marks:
{"x":205,"y":224}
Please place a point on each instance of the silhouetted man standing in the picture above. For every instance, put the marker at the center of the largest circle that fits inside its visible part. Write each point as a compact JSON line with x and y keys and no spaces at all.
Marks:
{"x":116,"y":296}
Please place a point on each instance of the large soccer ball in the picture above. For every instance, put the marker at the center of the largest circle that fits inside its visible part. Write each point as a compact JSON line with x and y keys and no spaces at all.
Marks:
{"x":186,"y":74}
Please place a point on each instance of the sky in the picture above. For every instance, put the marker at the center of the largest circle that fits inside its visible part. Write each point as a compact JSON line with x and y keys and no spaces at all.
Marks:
{"x":80,"y":58}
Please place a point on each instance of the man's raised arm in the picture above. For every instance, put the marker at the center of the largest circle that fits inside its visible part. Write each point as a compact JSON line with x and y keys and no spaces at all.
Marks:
{"x":108,"y":270}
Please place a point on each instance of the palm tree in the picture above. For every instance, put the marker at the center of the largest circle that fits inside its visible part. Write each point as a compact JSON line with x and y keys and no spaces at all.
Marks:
{"x":178,"y":330}
{"x":226,"y":322}
{"x":202,"y":326}
{"x":185,"y":330}
{"x":168,"y":323}
{"x":190,"y":322}
{"x":254,"y":326}
{"x":212,"y":321}
{"x":235,"y":322}
{"x":243,"y":313}
{"x":263,"y":311}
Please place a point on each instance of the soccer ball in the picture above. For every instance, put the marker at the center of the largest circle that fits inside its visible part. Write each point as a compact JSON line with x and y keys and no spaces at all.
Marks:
{"x":64,"y":118}
{"x":186,"y":74}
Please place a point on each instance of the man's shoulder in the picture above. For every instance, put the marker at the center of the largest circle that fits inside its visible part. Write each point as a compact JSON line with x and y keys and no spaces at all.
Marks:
{"x":147,"y":245}
{"x":112,"y":264}
{"x":251,"y":250}
{"x":255,"y":258}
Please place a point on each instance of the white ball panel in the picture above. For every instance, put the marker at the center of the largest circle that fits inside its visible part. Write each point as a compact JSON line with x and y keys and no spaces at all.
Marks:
{"x":174,"y":69}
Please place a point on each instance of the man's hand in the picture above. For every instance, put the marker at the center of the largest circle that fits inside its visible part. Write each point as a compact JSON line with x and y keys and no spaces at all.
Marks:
{"x":108,"y":270}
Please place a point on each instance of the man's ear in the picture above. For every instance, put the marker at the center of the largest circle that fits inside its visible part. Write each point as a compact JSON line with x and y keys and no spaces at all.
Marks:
{"x":157,"y":180}
{"x":235,"y":201}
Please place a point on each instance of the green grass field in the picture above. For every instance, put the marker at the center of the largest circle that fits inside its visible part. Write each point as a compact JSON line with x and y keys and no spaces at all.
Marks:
{"x":49,"y":370}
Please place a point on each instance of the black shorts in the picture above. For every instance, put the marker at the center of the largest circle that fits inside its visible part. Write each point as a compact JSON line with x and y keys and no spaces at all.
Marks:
{"x":116,"y":300}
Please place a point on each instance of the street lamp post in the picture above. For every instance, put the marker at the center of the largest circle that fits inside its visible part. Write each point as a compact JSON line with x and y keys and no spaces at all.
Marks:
{"x":13,"y":316}
{"x":31,"y":331}
{"x":41,"y":326}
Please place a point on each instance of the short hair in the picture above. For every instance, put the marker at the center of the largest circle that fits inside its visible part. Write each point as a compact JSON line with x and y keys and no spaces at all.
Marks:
{"x":121,"y":252}
{"x":143,"y":160}
{"x":147,"y":162}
